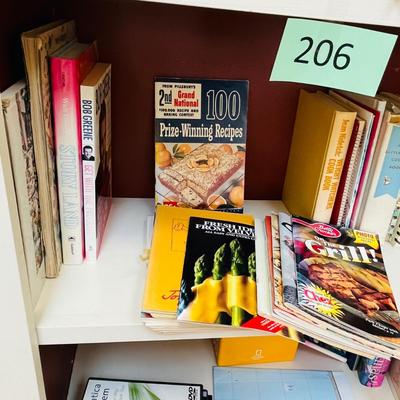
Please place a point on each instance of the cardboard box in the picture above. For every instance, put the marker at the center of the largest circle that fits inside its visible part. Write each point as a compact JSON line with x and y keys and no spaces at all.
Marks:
{"x":254,"y":350}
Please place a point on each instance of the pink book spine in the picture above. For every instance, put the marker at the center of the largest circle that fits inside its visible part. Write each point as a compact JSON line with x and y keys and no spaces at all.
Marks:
{"x":365,"y":171}
{"x":65,"y":77}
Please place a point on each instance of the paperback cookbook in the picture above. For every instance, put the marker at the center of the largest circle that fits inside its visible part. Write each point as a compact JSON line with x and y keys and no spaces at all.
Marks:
{"x":219,"y":275}
{"x":342,"y":279}
{"x":200,"y":142}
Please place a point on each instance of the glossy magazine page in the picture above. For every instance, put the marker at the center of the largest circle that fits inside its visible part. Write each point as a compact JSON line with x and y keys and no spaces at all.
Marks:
{"x":342,"y":279}
{"x":219,"y":274}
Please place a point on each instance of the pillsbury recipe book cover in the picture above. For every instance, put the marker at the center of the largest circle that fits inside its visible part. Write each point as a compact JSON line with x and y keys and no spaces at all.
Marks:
{"x":200,"y":142}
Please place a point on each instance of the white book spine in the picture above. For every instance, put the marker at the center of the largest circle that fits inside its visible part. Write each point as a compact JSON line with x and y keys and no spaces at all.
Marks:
{"x":88,"y":123}
{"x":95,"y":94}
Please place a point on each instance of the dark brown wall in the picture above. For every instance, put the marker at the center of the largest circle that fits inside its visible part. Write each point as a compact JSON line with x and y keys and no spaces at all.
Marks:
{"x":16,"y":17}
{"x":57,"y":363}
{"x":143,"y":40}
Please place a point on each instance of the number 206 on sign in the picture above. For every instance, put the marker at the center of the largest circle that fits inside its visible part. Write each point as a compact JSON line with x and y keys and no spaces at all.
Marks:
{"x":333,"y":55}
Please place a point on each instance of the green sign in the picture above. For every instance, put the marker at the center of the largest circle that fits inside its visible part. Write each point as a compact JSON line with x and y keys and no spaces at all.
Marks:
{"x":332,"y":55}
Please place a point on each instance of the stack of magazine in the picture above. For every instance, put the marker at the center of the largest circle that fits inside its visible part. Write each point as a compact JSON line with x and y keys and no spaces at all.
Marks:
{"x":329,"y":283}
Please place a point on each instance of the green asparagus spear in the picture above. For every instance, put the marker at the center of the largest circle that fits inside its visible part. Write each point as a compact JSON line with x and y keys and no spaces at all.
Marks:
{"x":251,"y":261}
{"x":238,"y":268}
{"x":220,"y":267}
{"x":202,"y":270}
{"x":221,"y":262}
{"x":238,"y":261}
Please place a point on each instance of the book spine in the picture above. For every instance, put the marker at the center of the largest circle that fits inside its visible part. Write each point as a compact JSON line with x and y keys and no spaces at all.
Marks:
{"x":65,"y":90}
{"x":350,"y":183}
{"x":347,"y":169}
{"x":288,"y":259}
{"x":393,"y":233}
{"x":89,"y":129}
{"x":350,"y":204}
{"x":20,"y":145}
{"x":355,"y":216}
{"x":333,"y":166}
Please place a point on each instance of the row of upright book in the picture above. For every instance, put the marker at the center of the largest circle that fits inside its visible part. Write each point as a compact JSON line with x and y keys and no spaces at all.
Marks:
{"x":343,"y":165}
{"x":57,"y":135}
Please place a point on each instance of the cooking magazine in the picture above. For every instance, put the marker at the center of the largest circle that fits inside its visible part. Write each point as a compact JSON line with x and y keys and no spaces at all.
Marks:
{"x":342,"y":279}
{"x":219,"y":274}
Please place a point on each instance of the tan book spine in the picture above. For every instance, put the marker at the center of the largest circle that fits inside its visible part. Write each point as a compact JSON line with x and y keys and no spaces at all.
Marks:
{"x":333,"y":166}
{"x":37,"y":45}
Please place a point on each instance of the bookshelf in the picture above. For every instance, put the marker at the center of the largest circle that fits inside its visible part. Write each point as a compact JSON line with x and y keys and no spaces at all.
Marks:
{"x":190,"y":360}
{"x":97,"y":304}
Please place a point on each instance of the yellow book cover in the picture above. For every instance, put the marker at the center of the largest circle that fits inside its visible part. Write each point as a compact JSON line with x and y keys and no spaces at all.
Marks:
{"x":320,"y":139}
{"x":167,"y":255}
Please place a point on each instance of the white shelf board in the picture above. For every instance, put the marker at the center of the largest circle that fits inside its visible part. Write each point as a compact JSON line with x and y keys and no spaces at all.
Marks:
{"x":380,"y":12}
{"x":100,"y":302}
{"x":191,"y":361}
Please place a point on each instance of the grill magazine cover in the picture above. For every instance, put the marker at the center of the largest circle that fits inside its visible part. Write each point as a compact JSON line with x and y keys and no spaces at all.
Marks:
{"x":342,"y":279}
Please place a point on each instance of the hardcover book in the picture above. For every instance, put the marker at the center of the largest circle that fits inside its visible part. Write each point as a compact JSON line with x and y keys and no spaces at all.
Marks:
{"x":69,"y":66}
{"x":37,"y":45}
{"x":342,"y":280}
{"x":219,"y":274}
{"x":18,"y":130}
{"x":200,"y":142}
{"x":96,"y":155}
{"x":322,"y":130}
